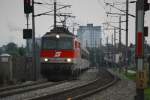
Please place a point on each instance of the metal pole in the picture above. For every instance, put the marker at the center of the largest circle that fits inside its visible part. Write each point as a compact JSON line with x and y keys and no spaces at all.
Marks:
{"x":112,"y":39}
{"x":27,"y":16}
{"x":140,"y":49}
{"x":126,"y":58}
{"x":120,"y":33}
{"x":100,"y":42}
{"x":27,"y":41}
{"x":112,"y":52}
{"x":127,"y":10}
{"x":54,"y":13}
{"x":107,"y":40}
{"x":120,"y":62}
{"x":107,"y":56}
{"x":149,"y":69}
{"x":33,"y":43}
{"x":115,"y":45}
{"x":95,"y":55}
{"x":115,"y":37}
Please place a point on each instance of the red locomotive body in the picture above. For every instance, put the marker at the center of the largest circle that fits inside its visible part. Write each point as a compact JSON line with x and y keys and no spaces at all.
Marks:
{"x":62,"y":55}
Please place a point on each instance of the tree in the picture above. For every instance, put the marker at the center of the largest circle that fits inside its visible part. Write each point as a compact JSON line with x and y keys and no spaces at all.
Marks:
{"x":0,"y":51}
{"x":12,"y":49}
{"x":21,"y":51}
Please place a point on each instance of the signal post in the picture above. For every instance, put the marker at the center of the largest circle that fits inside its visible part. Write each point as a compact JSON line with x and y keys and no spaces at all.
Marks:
{"x":30,"y":33}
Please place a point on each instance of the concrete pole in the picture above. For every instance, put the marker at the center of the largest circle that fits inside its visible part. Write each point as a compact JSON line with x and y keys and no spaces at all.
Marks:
{"x":140,"y":49}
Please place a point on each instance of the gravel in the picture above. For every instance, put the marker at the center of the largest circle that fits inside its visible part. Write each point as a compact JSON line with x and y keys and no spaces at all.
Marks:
{"x":123,"y":90}
{"x":84,"y":78}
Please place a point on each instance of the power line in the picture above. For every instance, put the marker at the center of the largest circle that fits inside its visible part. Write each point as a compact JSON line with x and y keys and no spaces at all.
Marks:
{"x":119,"y":9}
{"x":45,"y":13}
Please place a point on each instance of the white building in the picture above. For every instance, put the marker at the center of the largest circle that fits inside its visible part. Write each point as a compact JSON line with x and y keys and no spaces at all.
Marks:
{"x":90,"y":36}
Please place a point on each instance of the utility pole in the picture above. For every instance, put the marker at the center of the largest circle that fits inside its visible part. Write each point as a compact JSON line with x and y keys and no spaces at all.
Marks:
{"x":140,"y":49}
{"x":141,"y":7}
{"x":107,"y":50}
{"x":55,"y":13}
{"x":112,"y":39}
{"x":95,"y":53}
{"x":115,"y":45}
{"x":119,"y":33}
{"x":100,"y":42}
{"x":33,"y":43}
{"x":27,"y":41}
{"x":115,"y":37}
{"x":127,"y":10}
{"x":107,"y":40}
{"x":126,"y":58}
{"x":112,"y":48}
{"x":120,"y":42}
{"x":126,"y":55}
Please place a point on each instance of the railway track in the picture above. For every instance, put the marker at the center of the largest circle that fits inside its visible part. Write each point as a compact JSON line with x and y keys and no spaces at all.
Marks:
{"x":19,"y":89}
{"x":2,"y":89}
{"x":75,"y":90}
{"x":80,"y":92}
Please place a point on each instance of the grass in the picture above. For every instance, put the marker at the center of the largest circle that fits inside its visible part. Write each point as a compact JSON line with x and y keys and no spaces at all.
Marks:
{"x":147,"y":93}
{"x":131,"y":76}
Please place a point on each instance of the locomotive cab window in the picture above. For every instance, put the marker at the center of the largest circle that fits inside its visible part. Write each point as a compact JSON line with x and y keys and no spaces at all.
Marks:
{"x":61,"y":43}
{"x":65,"y":43}
{"x":48,"y":43}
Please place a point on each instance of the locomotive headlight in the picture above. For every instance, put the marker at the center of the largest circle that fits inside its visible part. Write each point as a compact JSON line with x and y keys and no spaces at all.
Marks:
{"x":57,"y":36}
{"x":69,"y":60}
{"x":45,"y":59}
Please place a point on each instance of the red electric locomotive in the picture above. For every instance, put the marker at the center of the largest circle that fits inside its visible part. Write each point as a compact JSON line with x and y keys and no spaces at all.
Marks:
{"x":62,"y":55}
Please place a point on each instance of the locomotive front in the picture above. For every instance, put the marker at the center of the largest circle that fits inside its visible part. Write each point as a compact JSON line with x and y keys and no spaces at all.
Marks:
{"x":57,"y":54}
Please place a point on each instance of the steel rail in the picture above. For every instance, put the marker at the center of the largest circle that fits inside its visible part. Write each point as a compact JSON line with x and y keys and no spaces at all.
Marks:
{"x":89,"y":93}
{"x":21,"y":85}
{"x":73,"y":92}
{"x":28,"y":88}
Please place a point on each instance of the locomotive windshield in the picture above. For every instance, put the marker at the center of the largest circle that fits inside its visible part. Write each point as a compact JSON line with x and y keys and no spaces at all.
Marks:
{"x":58,"y":44}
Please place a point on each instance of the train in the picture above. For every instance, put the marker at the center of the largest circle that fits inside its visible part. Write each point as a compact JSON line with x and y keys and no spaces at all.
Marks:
{"x":62,"y":56}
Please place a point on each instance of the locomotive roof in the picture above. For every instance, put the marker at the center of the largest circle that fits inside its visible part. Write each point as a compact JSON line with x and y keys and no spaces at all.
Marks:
{"x":59,"y":30}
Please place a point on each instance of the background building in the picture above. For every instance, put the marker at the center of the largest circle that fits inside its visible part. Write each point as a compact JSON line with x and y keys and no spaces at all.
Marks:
{"x":90,"y":35}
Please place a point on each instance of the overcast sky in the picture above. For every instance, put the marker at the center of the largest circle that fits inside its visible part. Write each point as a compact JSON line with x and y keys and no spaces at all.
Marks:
{"x":12,"y":18}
